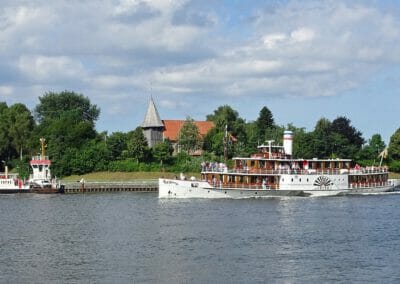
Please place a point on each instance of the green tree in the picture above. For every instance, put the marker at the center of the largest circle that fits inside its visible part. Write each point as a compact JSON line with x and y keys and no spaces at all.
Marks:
{"x":5,"y":144}
{"x":264,"y":121}
{"x":346,"y":139}
{"x":322,"y":139}
{"x":213,"y":142}
{"x":189,"y":139}
{"x":162,"y":152}
{"x":137,"y":146}
{"x":53,"y":105}
{"x":369,"y":153}
{"x":67,"y":121}
{"x":394,"y":146}
{"x":116,"y":144}
{"x":226,"y":120}
{"x":21,"y":125}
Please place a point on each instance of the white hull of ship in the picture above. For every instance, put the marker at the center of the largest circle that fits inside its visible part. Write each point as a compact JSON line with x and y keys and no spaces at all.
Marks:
{"x":169,"y":188}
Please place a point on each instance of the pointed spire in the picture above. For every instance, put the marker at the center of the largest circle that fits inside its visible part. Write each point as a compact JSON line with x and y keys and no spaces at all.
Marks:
{"x":152,"y":118}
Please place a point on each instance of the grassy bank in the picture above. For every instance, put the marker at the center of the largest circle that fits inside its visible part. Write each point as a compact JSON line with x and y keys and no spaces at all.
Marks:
{"x":124,"y":176}
{"x":394,"y":175}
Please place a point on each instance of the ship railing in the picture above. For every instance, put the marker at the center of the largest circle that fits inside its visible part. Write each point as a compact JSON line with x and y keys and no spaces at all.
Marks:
{"x":245,"y":170}
{"x":369,"y":170}
{"x":40,"y":158}
{"x":243,"y":186}
{"x":370,"y":184}
{"x":275,"y":172}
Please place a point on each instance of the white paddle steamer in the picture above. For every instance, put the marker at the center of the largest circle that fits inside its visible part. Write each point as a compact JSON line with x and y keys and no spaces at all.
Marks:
{"x":274,"y":172}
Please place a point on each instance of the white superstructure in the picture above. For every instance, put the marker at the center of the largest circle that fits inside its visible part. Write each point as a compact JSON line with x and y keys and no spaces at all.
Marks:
{"x":274,"y":172}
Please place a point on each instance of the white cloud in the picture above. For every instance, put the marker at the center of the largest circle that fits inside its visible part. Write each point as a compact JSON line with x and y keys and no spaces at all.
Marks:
{"x":302,"y":35}
{"x":272,"y":40}
{"x":6,"y":91}
{"x":45,"y":68}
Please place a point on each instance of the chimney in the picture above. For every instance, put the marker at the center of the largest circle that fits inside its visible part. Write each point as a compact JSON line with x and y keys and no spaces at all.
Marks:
{"x":288,"y":142}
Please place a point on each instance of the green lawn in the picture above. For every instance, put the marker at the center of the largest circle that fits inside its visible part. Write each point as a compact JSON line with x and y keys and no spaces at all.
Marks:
{"x":124,"y":176}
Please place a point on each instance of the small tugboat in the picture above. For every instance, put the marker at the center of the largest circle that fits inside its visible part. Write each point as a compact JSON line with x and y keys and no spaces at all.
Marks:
{"x":40,"y":180}
{"x":274,"y":172}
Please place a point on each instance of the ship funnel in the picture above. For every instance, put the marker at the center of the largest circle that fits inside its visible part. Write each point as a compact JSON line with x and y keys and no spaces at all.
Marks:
{"x":288,"y":142}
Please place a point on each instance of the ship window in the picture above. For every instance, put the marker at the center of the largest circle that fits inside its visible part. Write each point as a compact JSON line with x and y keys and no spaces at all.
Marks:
{"x":307,"y":180}
{"x":292,"y":180}
{"x":299,"y":179}
{"x":283,"y":179}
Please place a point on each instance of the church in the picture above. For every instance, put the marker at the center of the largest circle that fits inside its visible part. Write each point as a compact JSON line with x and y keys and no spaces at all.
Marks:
{"x":156,"y":130}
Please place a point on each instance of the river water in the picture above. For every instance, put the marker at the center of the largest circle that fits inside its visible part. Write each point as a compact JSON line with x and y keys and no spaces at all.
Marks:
{"x":137,"y":238}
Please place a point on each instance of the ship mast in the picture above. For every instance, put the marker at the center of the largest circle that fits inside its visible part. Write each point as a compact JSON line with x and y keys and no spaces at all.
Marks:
{"x":226,"y":144}
{"x":43,"y":148}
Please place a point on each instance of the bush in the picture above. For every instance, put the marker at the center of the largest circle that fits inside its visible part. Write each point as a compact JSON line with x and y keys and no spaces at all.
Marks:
{"x":394,"y":166}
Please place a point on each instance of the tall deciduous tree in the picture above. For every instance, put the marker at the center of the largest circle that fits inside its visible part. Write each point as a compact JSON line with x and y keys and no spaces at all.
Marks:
{"x":162,"y":152}
{"x":342,"y":126}
{"x":322,"y":138}
{"x":394,"y":151}
{"x":21,"y":125}
{"x":394,"y":146}
{"x":370,"y":152}
{"x":67,"y":121}
{"x":189,"y":139}
{"x":4,"y":129}
{"x":225,"y":119}
{"x":137,"y":147}
{"x":116,"y":144}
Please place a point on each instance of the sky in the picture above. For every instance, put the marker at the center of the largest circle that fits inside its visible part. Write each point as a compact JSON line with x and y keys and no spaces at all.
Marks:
{"x":304,"y":60}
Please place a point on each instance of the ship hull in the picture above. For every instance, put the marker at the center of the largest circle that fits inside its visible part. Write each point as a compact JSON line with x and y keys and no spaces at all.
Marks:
{"x":200,"y":189}
{"x":13,"y":190}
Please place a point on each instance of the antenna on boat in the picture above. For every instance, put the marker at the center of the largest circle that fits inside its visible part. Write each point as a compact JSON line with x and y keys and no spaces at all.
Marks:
{"x":270,"y":142}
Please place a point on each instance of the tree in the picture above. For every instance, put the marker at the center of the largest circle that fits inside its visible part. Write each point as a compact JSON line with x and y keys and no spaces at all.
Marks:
{"x":226,"y":119}
{"x":347,"y":140}
{"x":394,"y":146}
{"x":369,"y":153}
{"x":21,"y":125}
{"x":66,"y":117}
{"x":222,"y":116}
{"x":116,"y":144}
{"x":394,"y":151}
{"x":5,"y":145}
{"x":52,"y":105}
{"x":162,"y":152}
{"x":213,"y":142}
{"x":189,"y":139}
{"x":67,"y":121}
{"x":264,"y":121}
{"x":321,"y":138}
{"x":342,"y":125}
{"x":137,"y":146}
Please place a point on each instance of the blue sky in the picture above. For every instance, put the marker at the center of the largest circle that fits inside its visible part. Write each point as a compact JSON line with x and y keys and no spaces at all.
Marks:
{"x":302,"y":59}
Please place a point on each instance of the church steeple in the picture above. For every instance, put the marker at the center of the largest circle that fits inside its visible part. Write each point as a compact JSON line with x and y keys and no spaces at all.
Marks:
{"x":152,"y":125}
{"x":152,"y":118}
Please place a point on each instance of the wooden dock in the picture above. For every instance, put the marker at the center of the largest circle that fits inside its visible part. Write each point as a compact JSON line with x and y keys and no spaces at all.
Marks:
{"x":104,"y":187}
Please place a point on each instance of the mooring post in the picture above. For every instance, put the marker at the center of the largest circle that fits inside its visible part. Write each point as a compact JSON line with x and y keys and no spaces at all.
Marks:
{"x":82,"y":181}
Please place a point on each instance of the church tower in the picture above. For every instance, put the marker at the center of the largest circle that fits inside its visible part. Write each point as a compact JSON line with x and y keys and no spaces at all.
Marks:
{"x":152,"y":125}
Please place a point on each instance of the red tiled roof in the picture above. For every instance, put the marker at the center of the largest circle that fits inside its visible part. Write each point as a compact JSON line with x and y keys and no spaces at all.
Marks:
{"x":172,"y":128}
